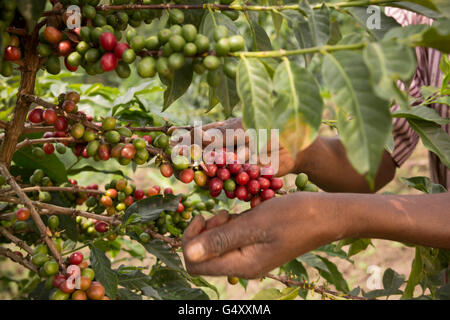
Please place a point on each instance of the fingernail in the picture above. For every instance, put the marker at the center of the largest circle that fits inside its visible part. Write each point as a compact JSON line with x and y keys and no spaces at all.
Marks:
{"x":195,"y":251}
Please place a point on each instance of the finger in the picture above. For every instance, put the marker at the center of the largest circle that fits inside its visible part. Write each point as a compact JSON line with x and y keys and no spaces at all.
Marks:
{"x":243,"y":263}
{"x":219,"y":219}
{"x":215,"y":242}
{"x":196,"y":226}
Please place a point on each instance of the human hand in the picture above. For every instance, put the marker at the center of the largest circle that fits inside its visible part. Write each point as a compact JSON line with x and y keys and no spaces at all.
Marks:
{"x":250,"y":244}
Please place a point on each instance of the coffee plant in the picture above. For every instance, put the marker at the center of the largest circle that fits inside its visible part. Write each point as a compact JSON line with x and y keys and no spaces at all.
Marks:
{"x":281,"y":64}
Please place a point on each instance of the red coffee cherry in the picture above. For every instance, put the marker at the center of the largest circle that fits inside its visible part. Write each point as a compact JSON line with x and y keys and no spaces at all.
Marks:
{"x":241,"y":193}
{"x":157,"y":188}
{"x":61,"y":124}
{"x":108,"y":41}
{"x":211,"y":170}
{"x":104,"y":152}
{"x":69,"y":67}
{"x":58,"y":280}
{"x":267,"y":194}
{"x":49,"y":148}
{"x":253,"y":171}
{"x":139,"y":194}
{"x":76,"y":258}
{"x":65,"y":48}
{"x":180,"y":207}
{"x":23,"y":214}
{"x":187,"y":175}
{"x":108,"y":61}
{"x":234,"y":168}
{"x":36,"y":115}
{"x":168,"y":191}
{"x":242,"y":178}
{"x":101,"y":226}
{"x":221,"y":159}
{"x":223,"y":174}
{"x":276,"y":183}
{"x":253,"y":186}
{"x":230,"y":194}
{"x":264,"y":183}
{"x":49,"y":116}
{"x":215,"y":185}
{"x":12,"y":53}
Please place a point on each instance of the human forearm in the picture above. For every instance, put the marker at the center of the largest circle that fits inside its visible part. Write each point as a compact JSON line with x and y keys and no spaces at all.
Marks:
{"x":326,"y":163}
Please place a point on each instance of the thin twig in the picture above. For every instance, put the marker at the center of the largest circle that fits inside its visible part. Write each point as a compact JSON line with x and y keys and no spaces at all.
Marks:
{"x":173,"y":242}
{"x":19,"y":242}
{"x":319,"y":289}
{"x":30,"y":142}
{"x":34,"y":214}
{"x":19,"y":259}
{"x":62,"y":189}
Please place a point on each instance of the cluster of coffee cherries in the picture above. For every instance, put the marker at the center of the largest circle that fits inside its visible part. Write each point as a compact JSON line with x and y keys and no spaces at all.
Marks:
{"x":303,"y":184}
{"x":221,"y":171}
{"x":101,"y":141}
{"x":78,"y":283}
{"x":97,"y":48}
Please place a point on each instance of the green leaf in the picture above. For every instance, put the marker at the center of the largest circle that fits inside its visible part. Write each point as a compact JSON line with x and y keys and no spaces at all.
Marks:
{"x":364,"y":120}
{"x":131,"y":93}
{"x":421,"y":113}
{"x":260,"y":39}
{"x":201,"y":282}
{"x":149,"y":209}
{"x":254,"y":89}
{"x":361,"y":15}
{"x":40,"y":292}
{"x":433,"y":138}
{"x":358,"y":245}
{"x":299,"y":116}
{"x":392,"y":281}
{"x":389,"y":61}
{"x":289,"y":293}
{"x":126,"y":294}
{"x":277,"y":18}
{"x":138,"y":281}
{"x":103,"y":272}
{"x":52,"y":166}
{"x":171,"y":285}
{"x":31,"y":11}
{"x":211,"y":20}
{"x":313,"y":261}
{"x":423,"y":184}
{"x":163,"y":252}
{"x":318,"y":23}
{"x":441,"y":6}
{"x":333,"y":276}
{"x":179,"y":84}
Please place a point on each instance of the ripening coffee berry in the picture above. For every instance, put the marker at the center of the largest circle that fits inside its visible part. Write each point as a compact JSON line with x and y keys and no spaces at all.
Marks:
{"x":223,"y":174}
{"x":241,"y":193}
{"x":253,"y":186}
{"x":101,"y":226}
{"x":276,"y":183}
{"x":49,"y":116}
{"x":52,"y":35}
{"x":215,"y":185}
{"x":48,"y":148}
{"x":264,"y":183}
{"x":166,"y":170}
{"x":61,"y":124}
{"x":253,"y":171}
{"x":76,"y":258}
{"x":23,"y":214}
{"x":187,"y":175}
{"x":108,"y":41}
{"x":36,"y":115}
{"x":267,"y":194}
{"x":108,"y":61}
{"x":139,"y":194}
{"x":242,"y":178}
{"x":255,"y":201}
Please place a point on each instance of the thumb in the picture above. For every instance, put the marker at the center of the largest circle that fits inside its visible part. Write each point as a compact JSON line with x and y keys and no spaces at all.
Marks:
{"x":214,"y":242}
